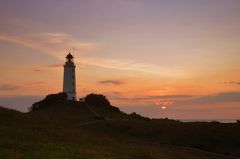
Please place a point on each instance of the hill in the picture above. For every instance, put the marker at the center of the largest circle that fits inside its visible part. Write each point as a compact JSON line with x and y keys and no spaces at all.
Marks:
{"x":8,"y":115}
{"x":84,"y":129}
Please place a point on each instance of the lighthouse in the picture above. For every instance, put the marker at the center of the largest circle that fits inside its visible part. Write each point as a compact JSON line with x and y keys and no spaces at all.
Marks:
{"x":69,"y":79}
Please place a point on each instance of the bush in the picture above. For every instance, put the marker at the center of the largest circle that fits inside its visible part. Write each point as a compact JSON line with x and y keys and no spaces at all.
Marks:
{"x":137,"y":116}
{"x":97,"y":100}
{"x":49,"y":99}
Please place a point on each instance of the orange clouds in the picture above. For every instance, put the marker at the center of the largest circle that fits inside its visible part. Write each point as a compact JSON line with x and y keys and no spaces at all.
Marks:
{"x":8,"y":87}
{"x":57,"y":44}
{"x":111,"y":82}
{"x":48,"y":68}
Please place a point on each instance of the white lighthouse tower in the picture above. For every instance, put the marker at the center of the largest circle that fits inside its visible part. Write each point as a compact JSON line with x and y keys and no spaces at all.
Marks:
{"x":69,"y":79}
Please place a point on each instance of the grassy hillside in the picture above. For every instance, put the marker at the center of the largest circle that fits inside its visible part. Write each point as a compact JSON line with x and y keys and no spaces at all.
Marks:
{"x":81,"y":130}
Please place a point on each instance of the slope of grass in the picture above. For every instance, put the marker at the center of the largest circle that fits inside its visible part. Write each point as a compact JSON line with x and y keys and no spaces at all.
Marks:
{"x":71,"y":130}
{"x":59,"y":143}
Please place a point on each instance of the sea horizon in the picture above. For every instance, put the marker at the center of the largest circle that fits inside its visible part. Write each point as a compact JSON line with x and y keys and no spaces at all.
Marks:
{"x":210,"y":120}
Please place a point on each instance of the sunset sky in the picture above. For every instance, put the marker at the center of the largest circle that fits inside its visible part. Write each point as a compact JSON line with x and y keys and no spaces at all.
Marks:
{"x":161,"y":58}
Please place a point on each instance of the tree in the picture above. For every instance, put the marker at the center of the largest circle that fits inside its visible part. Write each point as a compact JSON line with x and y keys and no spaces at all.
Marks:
{"x":49,"y":99}
{"x":97,"y":100}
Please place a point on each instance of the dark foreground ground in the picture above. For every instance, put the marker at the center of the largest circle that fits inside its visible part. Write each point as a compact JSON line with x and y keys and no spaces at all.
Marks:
{"x":78,"y":130}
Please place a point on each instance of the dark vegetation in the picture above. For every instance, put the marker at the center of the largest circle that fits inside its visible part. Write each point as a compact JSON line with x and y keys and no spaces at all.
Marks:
{"x":48,"y":100}
{"x":137,"y":116}
{"x":93,"y":129}
{"x":97,"y":99}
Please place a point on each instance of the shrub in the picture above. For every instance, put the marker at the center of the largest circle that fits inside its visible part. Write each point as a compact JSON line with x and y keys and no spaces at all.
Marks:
{"x":137,"y":116}
{"x":49,"y":99}
{"x":97,"y":100}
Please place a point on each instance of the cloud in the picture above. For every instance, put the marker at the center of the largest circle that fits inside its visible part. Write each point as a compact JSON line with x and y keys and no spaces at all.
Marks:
{"x":169,"y":96}
{"x":38,"y":70}
{"x":57,"y":44}
{"x":163,"y":97}
{"x":182,"y":100}
{"x":55,"y":65}
{"x":217,"y":106}
{"x":232,"y":82}
{"x":37,"y":83}
{"x":8,"y":87}
{"x":47,"y":67}
{"x":131,"y":65}
{"x":55,"y":38}
{"x":111,"y":82}
{"x":212,"y":99}
{"x":17,"y":40}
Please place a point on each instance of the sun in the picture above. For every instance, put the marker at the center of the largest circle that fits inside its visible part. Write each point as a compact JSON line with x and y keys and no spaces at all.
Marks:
{"x":163,"y":107}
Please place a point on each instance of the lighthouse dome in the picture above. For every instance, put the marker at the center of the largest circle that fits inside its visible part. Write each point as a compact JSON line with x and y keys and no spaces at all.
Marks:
{"x":69,"y":56}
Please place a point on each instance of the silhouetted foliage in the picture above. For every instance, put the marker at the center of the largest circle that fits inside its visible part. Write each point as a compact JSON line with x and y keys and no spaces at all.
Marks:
{"x":49,"y":99}
{"x":97,"y":100}
{"x":137,"y":116}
